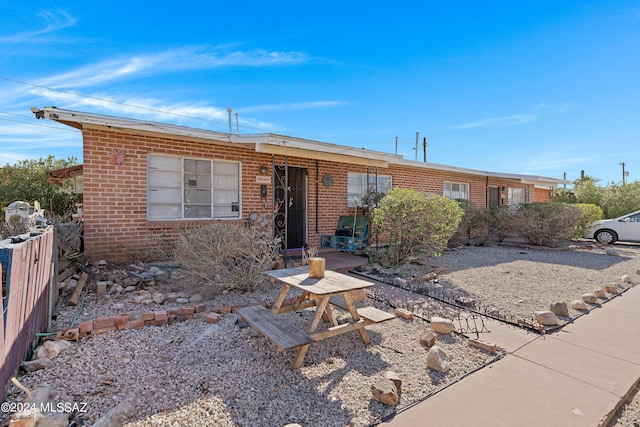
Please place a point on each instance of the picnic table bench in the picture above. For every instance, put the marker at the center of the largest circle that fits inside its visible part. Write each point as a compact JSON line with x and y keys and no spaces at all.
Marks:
{"x":334,"y":289}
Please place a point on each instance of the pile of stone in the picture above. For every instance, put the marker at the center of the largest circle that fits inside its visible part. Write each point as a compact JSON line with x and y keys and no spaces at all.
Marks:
{"x":588,"y":300}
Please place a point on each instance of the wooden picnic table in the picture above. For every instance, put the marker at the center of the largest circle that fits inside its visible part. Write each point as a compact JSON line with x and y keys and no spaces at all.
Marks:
{"x":334,"y":289}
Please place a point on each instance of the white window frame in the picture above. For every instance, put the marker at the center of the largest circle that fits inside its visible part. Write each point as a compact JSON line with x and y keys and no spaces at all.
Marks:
{"x":170,"y":185}
{"x":516,"y":196}
{"x":357,"y":183}
{"x":449,"y":192}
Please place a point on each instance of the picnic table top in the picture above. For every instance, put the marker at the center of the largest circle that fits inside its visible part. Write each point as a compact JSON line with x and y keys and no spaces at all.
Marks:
{"x":332,"y":282}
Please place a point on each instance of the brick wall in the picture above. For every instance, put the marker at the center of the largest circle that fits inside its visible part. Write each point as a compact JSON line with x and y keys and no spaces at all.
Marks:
{"x":115,"y":215}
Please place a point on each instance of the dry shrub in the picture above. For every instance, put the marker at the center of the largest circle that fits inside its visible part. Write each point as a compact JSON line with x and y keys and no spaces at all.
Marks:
{"x":544,"y":224}
{"x":227,"y":251}
{"x":14,"y":227}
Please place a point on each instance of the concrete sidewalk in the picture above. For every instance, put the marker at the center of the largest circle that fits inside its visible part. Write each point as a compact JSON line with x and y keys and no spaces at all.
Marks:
{"x":575,"y":377}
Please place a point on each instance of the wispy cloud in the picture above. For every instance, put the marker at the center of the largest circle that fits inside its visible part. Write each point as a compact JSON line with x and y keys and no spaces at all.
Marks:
{"x":514,"y":119}
{"x":54,"y":20}
{"x":174,"y":60}
{"x":293,"y":106}
{"x":541,"y":109}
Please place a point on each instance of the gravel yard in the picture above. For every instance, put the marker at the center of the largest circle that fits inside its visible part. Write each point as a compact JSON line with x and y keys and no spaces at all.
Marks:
{"x":194,"y":373}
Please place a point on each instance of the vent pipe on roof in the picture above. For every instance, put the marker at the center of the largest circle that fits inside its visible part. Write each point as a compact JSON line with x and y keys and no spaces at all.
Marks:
{"x":237,"y":124}
{"x":229,"y":110}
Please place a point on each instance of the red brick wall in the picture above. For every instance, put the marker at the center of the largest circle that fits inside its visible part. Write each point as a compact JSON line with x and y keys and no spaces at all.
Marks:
{"x":115,"y":215}
{"x":542,"y":195}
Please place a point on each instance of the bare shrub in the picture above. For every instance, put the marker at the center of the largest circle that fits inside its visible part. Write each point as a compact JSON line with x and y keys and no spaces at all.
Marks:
{"x":544,"y":224}
{"x":14,"y":227}
{"x":223,"y":250}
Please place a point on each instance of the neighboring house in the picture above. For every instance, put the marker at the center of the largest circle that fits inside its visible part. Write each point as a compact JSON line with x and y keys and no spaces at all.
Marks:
{"x":142,"y":179}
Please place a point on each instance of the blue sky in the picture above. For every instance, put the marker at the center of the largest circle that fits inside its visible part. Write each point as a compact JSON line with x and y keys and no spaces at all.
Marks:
{"x":542,"y":88}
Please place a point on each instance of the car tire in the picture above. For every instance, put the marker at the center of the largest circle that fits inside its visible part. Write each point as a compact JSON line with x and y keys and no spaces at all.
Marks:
{"x":606,"y":236}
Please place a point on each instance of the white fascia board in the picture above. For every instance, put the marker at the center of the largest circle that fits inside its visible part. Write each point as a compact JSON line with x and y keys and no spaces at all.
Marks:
{"x":325,"y":147}
{"x":133,"y":124}
{"x":524,"y":179}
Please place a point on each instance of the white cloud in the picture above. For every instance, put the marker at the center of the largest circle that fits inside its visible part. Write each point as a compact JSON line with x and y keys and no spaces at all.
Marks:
{"x":293,"y":106}
{"x":515,"y":119}
{"x":185,"y":59}
{"x":55,"y":19}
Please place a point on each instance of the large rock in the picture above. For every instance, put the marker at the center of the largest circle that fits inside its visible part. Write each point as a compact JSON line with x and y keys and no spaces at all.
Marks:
{"x":612,"y":289}
{"x":578,"y":304}
{"x":385,"y":391}
{"x":590,"y":298}
{"x":612,"y":252}
{"x":158,"y":298}
{"x":559,"y":309}
{"x":626,"y":279}
{"x":546,"y":318}
{"x":51,"y":349}
{"x":428,"y":338}
{"x":36,"y":365}
{"x":441,"y":325}
{"x":600,"y":293}
{"x":390,"y":375}
{"x":437,"y":359}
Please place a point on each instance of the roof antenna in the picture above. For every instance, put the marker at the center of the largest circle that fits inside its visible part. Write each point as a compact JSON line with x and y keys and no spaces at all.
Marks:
{"x":229,"y":110}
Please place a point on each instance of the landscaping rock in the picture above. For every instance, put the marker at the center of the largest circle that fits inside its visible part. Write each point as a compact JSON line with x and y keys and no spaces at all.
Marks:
{"x":600,"y":293}
{"x":390,"y":375}
{"x":36,"y":365}
{"x":546,"y":318}
{"x":158,"y":298}
{"x":428,"y":338}
{"x":626,"y":279}
{"x":441,"y":325}
{"x":405,"y":314}
{"x":612,"y":252}
{"x":182,"y":301}
{"x":385,"y":391}
{"x":590,"y":298}
{"x":438,"y":360}
{"x":612,"y":289}
{"x":559,"y":309}
{"x":578,"y":304}
{"x":195,"y":298}
{"x":51,"y":349}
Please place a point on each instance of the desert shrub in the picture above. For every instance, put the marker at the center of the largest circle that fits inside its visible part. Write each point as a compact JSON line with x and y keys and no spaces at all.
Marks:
{"x":473,"y":226}
{"x":589,"y":214}
{"x":500,"y":222}
{"x":227,"y":251}
{"x":544,"y":224}
{"x":416,"y":222}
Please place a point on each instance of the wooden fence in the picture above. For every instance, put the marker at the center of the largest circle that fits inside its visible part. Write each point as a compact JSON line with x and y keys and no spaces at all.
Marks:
{"x":27,"y":295}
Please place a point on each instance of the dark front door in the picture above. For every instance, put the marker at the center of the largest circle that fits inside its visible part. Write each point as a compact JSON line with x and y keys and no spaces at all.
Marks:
{"x":291,"y":205}
{"x":494,"y":196}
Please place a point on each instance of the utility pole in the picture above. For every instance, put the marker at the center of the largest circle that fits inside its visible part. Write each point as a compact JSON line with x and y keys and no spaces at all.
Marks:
{"x":624,"y":173}
{"x":424,"y":148}
{"x":417,"y":137}
{"x":396,"y":145}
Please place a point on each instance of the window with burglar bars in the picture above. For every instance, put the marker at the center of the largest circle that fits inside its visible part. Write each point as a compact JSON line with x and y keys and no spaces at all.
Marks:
{"x":188,"y":188}
{"x":456,"y":191}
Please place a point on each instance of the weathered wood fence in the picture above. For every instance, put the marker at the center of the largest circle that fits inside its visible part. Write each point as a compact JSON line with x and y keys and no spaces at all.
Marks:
{"x":27,"y":297}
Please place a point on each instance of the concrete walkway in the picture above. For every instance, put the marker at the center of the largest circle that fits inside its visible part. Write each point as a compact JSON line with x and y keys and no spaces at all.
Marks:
{"x":578,"y":376}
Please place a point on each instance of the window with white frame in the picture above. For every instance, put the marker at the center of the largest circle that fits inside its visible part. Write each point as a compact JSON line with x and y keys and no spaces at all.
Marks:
{"x":187,"y":188}
{"x":357,"y":185}
{"x":516,"y":196}
{"x":456,"y":190}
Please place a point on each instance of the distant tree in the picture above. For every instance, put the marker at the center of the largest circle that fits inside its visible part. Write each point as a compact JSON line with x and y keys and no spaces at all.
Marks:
{"x":27,"y":181}
{"x":618,"y":200}
{"x":587,"y":191}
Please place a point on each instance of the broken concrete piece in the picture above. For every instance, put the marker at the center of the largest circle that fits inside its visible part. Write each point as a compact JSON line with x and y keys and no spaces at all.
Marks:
{"x":405,"y":314}
{"x":485,"y":345}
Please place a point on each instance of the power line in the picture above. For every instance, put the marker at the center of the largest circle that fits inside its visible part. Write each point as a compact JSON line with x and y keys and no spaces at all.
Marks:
{"x":38,"y":124}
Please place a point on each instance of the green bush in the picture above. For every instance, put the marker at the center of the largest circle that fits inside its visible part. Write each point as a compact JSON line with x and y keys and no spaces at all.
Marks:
{"x":546,"y":223}
{"x":416,"y":222}
{"x":473,"y":226}
{"x":589,"y":214}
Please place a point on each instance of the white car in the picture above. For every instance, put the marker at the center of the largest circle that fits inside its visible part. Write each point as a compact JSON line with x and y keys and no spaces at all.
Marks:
{"x":625,"y":228}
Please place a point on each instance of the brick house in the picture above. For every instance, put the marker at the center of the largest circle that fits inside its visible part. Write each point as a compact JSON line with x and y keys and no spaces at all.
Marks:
{"x":142,"y":179}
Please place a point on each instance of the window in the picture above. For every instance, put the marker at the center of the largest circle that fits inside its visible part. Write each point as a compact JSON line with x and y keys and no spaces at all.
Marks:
{"x":456,"y":191}
{"x":180,"y":188}
{"x":516,"y":196}
{"x":357,"y":184}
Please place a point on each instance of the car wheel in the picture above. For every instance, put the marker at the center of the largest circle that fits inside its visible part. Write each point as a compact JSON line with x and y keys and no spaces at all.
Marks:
{"x":606,"y":236}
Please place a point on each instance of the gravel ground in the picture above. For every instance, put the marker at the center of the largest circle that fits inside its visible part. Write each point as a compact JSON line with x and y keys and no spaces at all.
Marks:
{"x":197,"y":374}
